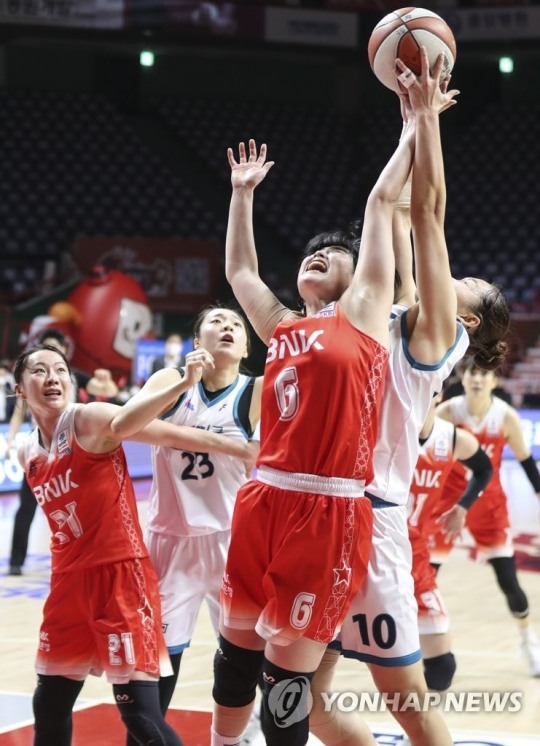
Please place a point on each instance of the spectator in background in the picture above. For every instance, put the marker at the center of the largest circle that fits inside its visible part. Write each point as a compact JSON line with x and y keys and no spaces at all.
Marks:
{"x":173,"y":357}
{"x":7,"y":387}
{"x":84,"y":387}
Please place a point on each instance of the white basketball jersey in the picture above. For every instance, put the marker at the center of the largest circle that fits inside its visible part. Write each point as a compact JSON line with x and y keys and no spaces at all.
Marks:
{"x":194,"y":493}
{"x":409,"y":389}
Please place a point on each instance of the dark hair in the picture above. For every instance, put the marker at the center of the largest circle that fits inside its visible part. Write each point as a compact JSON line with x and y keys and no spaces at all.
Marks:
{"x":219,"y":307}
{"x":487,"y":344}
{"x":53,"y":334}
{"x":20,"y":363}
{"x":348,"y":240}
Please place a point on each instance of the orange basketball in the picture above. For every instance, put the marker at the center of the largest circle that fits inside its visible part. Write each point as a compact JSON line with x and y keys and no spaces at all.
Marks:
{"x":401,"y":34}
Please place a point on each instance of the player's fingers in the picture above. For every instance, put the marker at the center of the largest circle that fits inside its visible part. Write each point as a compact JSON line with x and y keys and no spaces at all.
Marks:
{"x":437,"y":67}
{"x":242,"y":152}
{"x":424,"y":61}
{"x":406,"y":77}
{"x":231,"y":158}
{"x":252,"y":150}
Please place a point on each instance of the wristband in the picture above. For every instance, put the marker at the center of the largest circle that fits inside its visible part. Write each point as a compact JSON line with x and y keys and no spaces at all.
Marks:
{"x":531,"y":470}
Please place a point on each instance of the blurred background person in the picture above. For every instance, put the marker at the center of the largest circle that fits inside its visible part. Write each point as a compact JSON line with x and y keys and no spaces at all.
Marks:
{"x":173,"y":356}
{"x":7,"y":388}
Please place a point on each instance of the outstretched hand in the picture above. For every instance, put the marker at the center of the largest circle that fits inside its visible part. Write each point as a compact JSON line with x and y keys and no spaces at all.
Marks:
{"x":248,"y":172}
{"x":426,"y":92}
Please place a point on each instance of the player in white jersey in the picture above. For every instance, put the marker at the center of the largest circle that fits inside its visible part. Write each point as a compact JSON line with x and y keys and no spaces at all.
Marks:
{"x":193,"y":494}
{"x":426,"y":342}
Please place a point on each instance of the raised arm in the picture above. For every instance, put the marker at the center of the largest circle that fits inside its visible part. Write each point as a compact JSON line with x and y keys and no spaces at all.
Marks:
{"x":368,"y":300}
{"x":435,"y":327}
{"x":260,"y":305}
{"x":158,"y":394}
{"x":405,"y":293}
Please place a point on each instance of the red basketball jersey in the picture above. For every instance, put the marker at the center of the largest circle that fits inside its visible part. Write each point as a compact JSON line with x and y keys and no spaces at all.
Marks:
{"x":435,"y":462}
{"x":88,"y":500}
{"x":323,"y":384}
{"x":491,"y":436}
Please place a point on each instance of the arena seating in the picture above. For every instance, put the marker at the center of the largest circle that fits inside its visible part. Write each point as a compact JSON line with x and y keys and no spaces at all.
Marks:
{"x":73,"y":165}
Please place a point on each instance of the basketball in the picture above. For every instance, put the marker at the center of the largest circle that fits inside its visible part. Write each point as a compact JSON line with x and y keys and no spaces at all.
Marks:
{"x":401,"y":34}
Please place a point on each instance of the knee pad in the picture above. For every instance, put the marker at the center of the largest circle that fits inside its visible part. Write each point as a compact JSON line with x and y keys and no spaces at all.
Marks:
{"x":52,"y":704}
{"x":285,"y":706}
{"x":439,"y":671}
{"x":236,"y":671}
{"x":55,"y":695}
{"x":505,"y":570}
{"x":138,"y":704}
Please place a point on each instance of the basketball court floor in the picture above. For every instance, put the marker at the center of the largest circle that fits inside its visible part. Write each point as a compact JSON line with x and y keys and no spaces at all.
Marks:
{"x":496,"y":701}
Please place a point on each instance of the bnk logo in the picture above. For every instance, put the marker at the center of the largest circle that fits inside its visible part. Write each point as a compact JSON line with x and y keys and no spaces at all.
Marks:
{"x":290,"y":701}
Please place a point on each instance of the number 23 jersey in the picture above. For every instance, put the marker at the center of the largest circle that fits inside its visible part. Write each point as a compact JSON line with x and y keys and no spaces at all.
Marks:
{"x":194,"y":493}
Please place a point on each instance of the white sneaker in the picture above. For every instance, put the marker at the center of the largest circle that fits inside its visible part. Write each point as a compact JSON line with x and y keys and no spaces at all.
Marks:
{"x":253,"y":733}
{"x":530,"y":649}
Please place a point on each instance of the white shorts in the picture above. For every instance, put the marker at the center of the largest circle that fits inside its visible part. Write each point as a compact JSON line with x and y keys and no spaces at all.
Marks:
{"x":381,"y":625}
{"x":190,"y":571}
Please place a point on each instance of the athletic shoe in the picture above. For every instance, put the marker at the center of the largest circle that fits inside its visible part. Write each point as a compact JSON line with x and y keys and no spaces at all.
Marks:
{"x":15,"y":570}
{"x":530,"y":649}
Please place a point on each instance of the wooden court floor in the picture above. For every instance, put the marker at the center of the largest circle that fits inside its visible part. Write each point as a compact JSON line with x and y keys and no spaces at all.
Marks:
{"x":485,"y":645}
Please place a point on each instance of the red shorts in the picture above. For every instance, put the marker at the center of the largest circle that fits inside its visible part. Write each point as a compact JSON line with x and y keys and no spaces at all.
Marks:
{"x":432,"y":614}
{"x":105,"y":618}
{"x":295,"y":561}
{"x":489,"y":525}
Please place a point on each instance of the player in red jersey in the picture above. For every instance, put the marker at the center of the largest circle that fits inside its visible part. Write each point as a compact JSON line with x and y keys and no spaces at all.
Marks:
{"x":441,"y":446}
{"x":301,"y":531}
{"x":495,"y":424}
{"x":102,"y":612}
